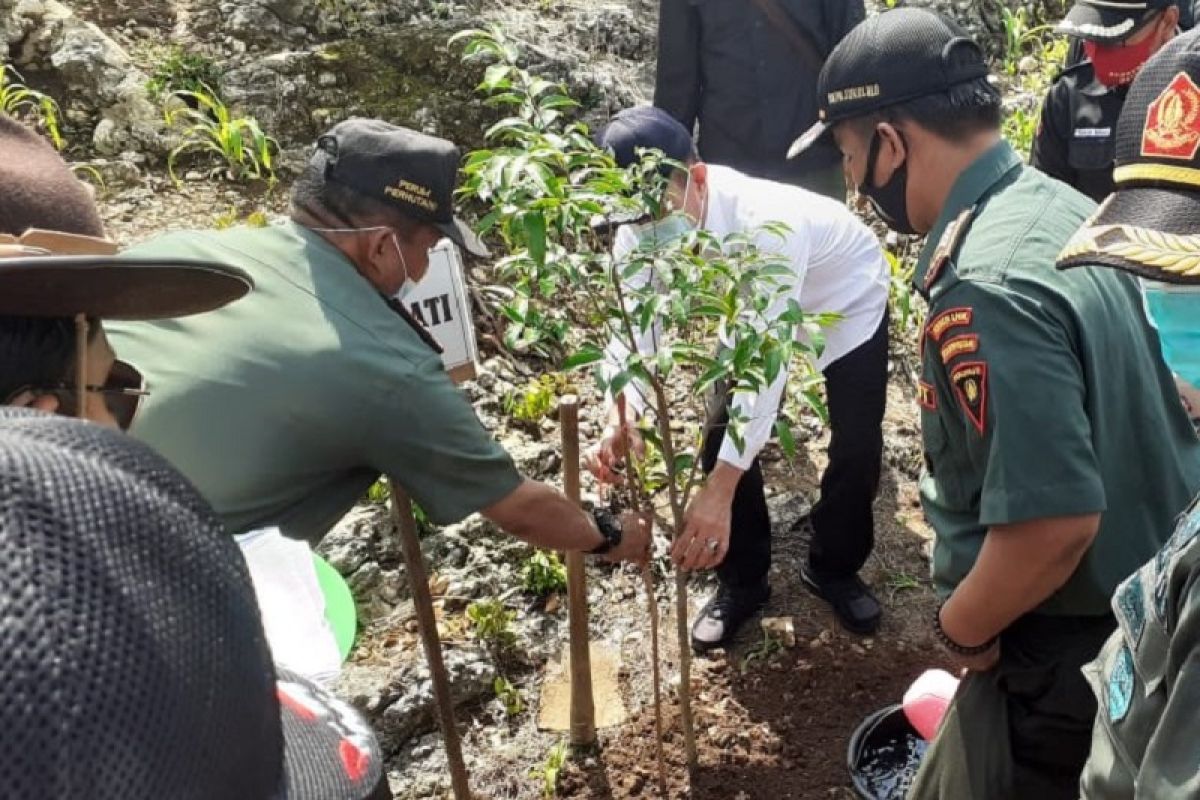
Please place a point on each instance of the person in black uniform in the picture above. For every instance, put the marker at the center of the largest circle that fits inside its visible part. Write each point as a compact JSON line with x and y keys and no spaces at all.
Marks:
{"x":1074,"y":140}
{"x":746,"y":70}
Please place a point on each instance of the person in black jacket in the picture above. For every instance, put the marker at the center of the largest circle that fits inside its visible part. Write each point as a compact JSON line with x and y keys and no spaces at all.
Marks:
{"x":1074,"y":140}
{"x":746,"y":71}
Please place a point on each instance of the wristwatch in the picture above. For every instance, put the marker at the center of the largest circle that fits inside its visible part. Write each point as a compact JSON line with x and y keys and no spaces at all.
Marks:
{"x":955,"y":647}
{"x":610,"y":528}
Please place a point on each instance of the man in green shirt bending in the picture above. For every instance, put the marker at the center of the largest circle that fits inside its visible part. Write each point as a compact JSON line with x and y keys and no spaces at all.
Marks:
{"x":284,"y":410}
{"x":1057,"y":453}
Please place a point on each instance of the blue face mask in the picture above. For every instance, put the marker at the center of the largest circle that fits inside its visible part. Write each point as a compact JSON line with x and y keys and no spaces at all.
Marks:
{"x":673,"y":226}
{"x":1175,"y":311}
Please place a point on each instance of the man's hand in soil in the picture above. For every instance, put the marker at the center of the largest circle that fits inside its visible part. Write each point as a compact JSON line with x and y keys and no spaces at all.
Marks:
{"x":606,"y":460}
{"x":705,"y":539}
{"x":636,"y":533}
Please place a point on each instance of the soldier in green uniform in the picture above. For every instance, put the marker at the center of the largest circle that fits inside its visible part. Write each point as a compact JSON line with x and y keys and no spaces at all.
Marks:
{"x":1146,"y":740}
{"x":1056,"y":452}
{"x":284,"y":411}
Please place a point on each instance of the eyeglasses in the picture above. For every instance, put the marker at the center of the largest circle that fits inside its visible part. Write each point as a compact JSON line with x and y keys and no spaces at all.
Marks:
{"x":123,"y":393}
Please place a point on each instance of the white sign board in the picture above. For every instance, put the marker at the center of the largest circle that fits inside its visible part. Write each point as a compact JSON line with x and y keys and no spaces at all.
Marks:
{"x":440,"y":301}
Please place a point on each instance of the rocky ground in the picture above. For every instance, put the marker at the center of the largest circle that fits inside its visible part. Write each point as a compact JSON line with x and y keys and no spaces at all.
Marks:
{"x":773,"y":721}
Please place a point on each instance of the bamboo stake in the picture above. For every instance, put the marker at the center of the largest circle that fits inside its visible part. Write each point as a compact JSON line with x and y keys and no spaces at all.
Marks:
{"x":418,"y":579}
{"x":583,"y":704}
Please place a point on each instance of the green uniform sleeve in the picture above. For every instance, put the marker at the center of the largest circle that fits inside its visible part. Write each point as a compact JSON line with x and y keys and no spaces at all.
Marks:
{"x":1013,"y":385}
{"x":430,"y":440}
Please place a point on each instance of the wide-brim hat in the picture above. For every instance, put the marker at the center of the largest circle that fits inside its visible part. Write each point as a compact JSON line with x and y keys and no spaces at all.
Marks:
{"x":52,"y":274}
{"x":136,"y":664}
{"x":1150,"y":225}
{"x":1109,"y":21}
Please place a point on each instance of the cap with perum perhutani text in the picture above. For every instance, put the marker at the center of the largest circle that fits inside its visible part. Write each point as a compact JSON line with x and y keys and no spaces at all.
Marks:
{"x":410,"y":170}
{"x":891,"y":58}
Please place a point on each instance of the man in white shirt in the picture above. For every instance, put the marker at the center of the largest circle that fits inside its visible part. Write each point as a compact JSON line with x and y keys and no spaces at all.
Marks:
{"x":839,"y":268}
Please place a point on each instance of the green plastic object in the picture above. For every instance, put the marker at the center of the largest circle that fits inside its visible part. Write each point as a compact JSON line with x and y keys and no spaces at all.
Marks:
{"x":339,"y":605}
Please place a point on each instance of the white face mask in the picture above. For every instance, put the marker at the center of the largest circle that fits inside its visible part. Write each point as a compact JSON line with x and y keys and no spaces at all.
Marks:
{"x":407,"y":287}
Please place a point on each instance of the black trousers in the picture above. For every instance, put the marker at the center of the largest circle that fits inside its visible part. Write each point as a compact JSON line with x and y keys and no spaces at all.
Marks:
{"x":1024,"y":728}
{"x":844,"y":527}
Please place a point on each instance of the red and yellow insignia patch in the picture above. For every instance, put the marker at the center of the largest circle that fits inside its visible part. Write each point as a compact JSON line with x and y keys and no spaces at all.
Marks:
{"x":951,"y":318}
{"x":926,"y":396}
{"x":960,"y":346}
{"x":1173,"y":122}
{"x":970,"y":385}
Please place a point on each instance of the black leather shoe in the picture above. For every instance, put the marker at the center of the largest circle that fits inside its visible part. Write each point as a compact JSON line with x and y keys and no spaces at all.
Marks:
{"x":724,"y":613}
{"x":853,"y":603}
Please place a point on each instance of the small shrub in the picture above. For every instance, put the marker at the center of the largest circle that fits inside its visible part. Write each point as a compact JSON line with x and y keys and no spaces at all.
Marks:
{"x":380,"y":493}
{"x":762,"y":652}
{"x":183,"y":71}
{"x":20,"y":101}
{"x":902,"y":303}
{"x":544,"y":573}
{"x":538,"y":399}
{"x":549,"y":771}
{"x":492,"y":623}
{"x":88,"y":173}
{"x":509,"y":696}
{"x":255,"y":219}
{"x":210,"y":127}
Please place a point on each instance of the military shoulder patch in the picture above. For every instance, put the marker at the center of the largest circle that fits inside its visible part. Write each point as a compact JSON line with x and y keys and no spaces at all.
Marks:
{"x":950,"y":318}
{"x":947,"y":246}
{"x":1131,"y":606}
{"x":960,"y":346}
{"x":970,"y":385}
{"x":1120,"y":685}
{"x":926,"y":396}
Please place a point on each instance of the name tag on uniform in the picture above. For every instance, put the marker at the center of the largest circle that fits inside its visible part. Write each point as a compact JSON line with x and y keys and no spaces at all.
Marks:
{"x":1093,"y":133}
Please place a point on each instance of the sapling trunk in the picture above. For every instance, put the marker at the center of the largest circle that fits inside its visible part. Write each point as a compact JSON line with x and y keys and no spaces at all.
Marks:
{"x":641,"y":504}
{"x":681,"y":582}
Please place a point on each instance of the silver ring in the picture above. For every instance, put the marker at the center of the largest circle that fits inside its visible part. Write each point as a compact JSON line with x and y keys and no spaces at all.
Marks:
{"x":712,"y":545}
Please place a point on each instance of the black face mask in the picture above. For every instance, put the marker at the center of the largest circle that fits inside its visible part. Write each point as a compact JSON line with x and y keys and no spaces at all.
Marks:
{"x":891,"y":200}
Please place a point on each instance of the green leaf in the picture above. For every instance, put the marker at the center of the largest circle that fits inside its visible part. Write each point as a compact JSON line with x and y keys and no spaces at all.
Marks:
{"x":683,"y":463}
{"x":535,"y":235}
{"x":588,"y":354}
{"x":786,"y":441}
{"x":772,"y":362}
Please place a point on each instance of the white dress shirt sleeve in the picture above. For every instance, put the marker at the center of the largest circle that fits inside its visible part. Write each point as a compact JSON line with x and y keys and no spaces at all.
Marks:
{"x":761,"y":408}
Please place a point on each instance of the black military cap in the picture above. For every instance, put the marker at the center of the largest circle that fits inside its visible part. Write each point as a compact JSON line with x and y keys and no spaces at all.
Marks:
{"x":395,"y":165}
{"x":1107,"y":21}
{"x":891,"y":58}
{"x":1150,"y":225}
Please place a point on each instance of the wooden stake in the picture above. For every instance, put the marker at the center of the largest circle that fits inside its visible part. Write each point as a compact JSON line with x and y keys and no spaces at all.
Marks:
{"x":583,"y":704}
{"x":418,"y":579}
